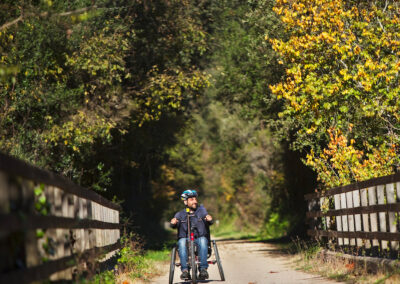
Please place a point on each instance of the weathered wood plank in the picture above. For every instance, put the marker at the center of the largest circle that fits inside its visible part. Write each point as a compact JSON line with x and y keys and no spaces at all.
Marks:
{"x":51,"y":233}
{"x":373,"y":217}
{"x":97,"y":217}
{"x":350,"y":218}
{"x":345,"y":224}
{"x":365,"y":217}
{"x":91,"y":231}
{"x":59,"y":237}
{"x":338,"y":218}
{"x":27,"y":198}
{"x":357,"y":217}
{"x":380,"y":189}
{"x":391,"y":198}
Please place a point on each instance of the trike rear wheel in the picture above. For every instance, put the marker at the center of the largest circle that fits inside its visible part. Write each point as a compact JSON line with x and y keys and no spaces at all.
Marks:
{"x":172,"y":265}
{"x":221,"y":270}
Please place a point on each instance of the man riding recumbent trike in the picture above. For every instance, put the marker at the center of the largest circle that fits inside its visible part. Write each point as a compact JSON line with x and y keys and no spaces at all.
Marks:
{"x":194,"y":244}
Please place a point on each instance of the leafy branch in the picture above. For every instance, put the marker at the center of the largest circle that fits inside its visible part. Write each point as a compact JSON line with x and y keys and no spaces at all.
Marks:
{"x":45,"y":14}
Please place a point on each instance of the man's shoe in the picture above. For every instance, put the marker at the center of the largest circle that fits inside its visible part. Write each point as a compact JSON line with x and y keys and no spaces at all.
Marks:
{"x":185,"y":275}
{"x":203,"y":275}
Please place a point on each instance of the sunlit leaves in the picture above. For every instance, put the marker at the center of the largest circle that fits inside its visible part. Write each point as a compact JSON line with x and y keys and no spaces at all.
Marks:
{"x":169,"y":91}
{"x":100,"y":58}
{"x":343,"y":69}
{"x":342,"y":163}
{"x":81,"y":130}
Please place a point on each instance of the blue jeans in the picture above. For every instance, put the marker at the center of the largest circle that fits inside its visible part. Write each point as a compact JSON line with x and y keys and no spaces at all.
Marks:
{"x":202,"y":244}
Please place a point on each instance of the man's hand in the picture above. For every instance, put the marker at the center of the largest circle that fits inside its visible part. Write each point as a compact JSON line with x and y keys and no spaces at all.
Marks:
{"x":174,"y":221}
{"x":208,"y":218}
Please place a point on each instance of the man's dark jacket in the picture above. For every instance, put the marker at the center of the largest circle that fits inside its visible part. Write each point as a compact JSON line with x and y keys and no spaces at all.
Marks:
{"x":197,"y":221}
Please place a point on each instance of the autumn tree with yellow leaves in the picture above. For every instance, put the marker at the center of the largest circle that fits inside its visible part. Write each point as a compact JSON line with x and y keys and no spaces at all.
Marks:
{"x":342,"y":73}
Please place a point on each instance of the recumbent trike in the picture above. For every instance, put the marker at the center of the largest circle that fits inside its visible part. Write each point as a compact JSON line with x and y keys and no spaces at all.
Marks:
{"x":193,"y":259}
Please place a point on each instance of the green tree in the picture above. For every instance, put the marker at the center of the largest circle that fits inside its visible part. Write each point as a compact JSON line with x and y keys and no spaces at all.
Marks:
{"x":86,"y":71}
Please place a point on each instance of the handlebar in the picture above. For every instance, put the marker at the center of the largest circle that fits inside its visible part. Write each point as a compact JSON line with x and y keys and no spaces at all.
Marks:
{"x":204,"y":219}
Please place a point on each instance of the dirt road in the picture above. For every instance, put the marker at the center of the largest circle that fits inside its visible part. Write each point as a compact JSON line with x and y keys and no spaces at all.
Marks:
{"x":251,"y":263}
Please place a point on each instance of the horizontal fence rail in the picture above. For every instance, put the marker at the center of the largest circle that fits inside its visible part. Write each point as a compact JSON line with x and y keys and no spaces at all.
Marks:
{"x":19,"y":168}
{"x":354,"y":186}
{"x":361,"y":217}
{"x":11,"y":223}
{"x":49,"y":226}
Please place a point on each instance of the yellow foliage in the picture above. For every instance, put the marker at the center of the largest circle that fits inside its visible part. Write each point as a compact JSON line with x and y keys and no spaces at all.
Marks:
{"x":80,"y":129}
{"x":343,"y":37}
{"x":169,"y":90}
{"x":341,"y":163}
{"x":342,"y":67}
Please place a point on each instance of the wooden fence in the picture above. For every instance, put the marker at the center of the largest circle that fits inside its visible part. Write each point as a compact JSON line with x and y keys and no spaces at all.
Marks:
{"x":362,"y":217}
{"x":50,"y":226}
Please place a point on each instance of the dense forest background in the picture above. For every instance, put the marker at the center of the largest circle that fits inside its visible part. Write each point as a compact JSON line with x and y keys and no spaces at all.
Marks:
{"x":139,"y":100}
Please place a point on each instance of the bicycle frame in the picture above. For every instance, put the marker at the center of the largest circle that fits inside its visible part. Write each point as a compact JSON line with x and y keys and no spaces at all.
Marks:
{"x":192,"y":258}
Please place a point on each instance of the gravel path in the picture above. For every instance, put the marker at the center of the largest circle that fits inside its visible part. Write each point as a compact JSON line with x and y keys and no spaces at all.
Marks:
{"x":251,"y":263}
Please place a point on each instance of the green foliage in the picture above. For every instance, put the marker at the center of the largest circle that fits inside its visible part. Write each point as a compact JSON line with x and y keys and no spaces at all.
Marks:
{"x":39,"y":233}
{"x":99,"y":60}
{"x":42,"y":205}
{"x":131,"y":259}
{"x":238,"y":165}
{"x":241,"y":160}
{"x":244,"y":68}
{"x":103,"y":277}
{"x":275,"y":227}
{"x":74,"y":77}
{"x":171,"y":90}
{"x":229,"y":142}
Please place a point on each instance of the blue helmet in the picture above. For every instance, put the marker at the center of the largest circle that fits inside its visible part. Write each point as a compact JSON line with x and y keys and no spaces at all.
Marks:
{"x":188,"y":193}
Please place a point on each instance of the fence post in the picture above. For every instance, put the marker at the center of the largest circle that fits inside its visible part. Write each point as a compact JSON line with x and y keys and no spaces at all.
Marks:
{"x":51,"y":233}
{"x":67,"y":273}
{"x":28,"y":201}
{"x":391,"y":198}
{"x":349,"y":203}
{"x":338,"y":218}
{"x":373,"y":216}
{"x":345,"y":225}
{"x":364,"y":203}
{"x":76,"y":232}
{"x":357,"y":217}
{"x":382,"y":215}
{"x":59,"y":236}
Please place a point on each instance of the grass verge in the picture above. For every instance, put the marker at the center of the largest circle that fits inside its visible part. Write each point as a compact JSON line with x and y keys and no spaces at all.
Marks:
{"x":133,"y":264}
{"x":144,"y":267}
{"x":307,"y":257}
